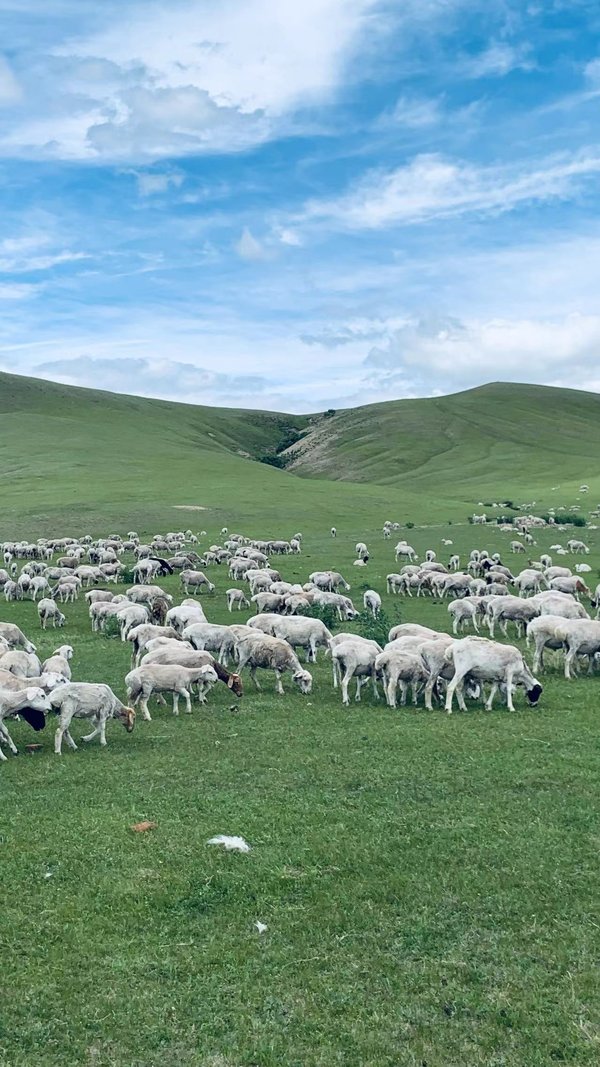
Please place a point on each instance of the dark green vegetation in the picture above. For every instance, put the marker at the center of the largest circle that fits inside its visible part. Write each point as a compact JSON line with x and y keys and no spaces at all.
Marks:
{"x":429,"y":882}
{"x":78,"y":460}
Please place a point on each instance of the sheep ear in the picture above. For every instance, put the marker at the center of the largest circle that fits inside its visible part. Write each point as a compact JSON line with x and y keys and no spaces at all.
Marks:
{"x":230,"y":681}
{"x":31,"y":693}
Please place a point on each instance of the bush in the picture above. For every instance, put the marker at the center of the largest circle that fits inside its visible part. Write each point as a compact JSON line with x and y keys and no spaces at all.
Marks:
{"x":128,"y":578}
{"x":112,"y":628}
{"x":326,"y":613}
{"x":379,"y":628}
{"x":509,"y":519}
{"x":566,"y":519}
{"x":410,"y":525}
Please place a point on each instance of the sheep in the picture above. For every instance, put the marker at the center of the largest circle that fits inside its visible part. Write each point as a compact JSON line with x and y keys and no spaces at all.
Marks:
{"x":394,"y":582}
{"x":488,"y":661}
{"x":329,"y":581}
{"x":142,"y":682}
{"x":86,"y":700}
{"x":58,"y":662}
{"x":572,"y":585}
{"x":272,"y":653}
{"x":15,"y":637}
{"x":309,"y":634}
{"x":361,"y":550}
{"x":343,"y":638}
{"x":400,"y":668}
{"x":510,"y":609}
{"x":343,"y":605}
{"x":185,"y":656}
{"x":462,"y":612}
{"x":21,"y":664}
{"x":333,"y":531}
{"x":543,"y":631}
{"x":206,"y":636}
{"x":577,"y":546}
{"x":48,"y":612}
{"x":95,"y":596}
{"x":351,"y":659}
{"x":46,"y":680}
{"x":411,"y":629}
{"x":67,"y":591}
{"x":583,"y":568}
{"x":454,"y":563}
{"x":269,"y":602}
{"x":143,"y":594}
{"x":141,"y":635}
{"x":372,"y":602}
{"x":580,"y":637}
{"x":596,"y":600}
{"x":39,"y":584}
{"x":238,"y":597}
{"x":30,"y":703}
{"x":517,"y":546}
{"x":130,"y":615}
{"x":197,"y":580}
{"x":528,"y":581}
{"x":185,"y":614}
{"x":557,"y":572}
{"x":432,"y":653}
{"x":404,"y":550}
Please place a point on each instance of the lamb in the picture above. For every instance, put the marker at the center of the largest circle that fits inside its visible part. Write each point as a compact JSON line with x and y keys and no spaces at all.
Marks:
{"x":372,"y":602}
{"x":343,"y":638}
{"x":129,"y":615}
{"x":86,"y":700}
{"x":404,"y":550}
{"x":577,"y":546}
{"x":141,"y":635}
{"x":58,"y":662}
{"x":269,"y":602}
{"x":142,"y":682}
{"x":15,"y":636}
{"x":237,"y":597}
{"x":352,"y":659}
{"x":31,"y":703}
{"x":272,"y":653}
{"x":543,"y":630}
{"x":462,"y":612}
{"x":454,"y":563}
{"x":195,"y":580}
{"x":95,"y":596}
{"x":328,"y":581}
{"x":394,"y":582}
{"x":48,"y":611}
{"x":333,"y":531}
{"x":488,"y":661}
{"x":362,"y":551}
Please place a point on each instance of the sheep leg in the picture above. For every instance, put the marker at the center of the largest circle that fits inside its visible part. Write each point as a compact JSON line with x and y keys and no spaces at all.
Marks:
{"x":186,"y":696}
{"x":94,"y":733}
{"x":176,"y":703}
{"x":452,"y":687}
{"x":374,"y":681}
{"x":5,"y":736}
{"x":345,"y":681}
{"x":2,"y":757}
{"x":254,"y":678}
{"x":490,"y":700}
{"x":509,"y":692}
{"x":278,"y":682}
{"x":358,"y":688}
{"x":143,"y":699}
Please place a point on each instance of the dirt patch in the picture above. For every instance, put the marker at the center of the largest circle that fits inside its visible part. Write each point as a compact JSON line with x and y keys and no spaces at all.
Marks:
{"x":189,"y":507}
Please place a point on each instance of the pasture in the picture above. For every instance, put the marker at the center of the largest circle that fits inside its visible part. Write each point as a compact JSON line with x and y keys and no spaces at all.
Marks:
{"x":428,"y":882}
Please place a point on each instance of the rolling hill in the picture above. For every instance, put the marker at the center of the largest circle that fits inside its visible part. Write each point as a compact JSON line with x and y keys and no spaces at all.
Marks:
{"x":79,"y":459}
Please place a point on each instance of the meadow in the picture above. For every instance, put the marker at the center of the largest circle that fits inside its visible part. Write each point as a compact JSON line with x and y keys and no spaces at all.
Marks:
{"x":428,"y":882}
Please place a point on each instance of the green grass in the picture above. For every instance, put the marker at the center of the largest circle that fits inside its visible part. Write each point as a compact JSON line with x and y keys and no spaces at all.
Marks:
{"x":429,"y":882}
{"x":79,"y":460}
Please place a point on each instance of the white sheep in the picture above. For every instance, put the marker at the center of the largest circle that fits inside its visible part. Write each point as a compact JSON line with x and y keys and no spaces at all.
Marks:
{"x":22,"y":664}
{"x":48,"y":611}
{"x":372,"y":602}
{"x":400,"y":668}
{"x":580,"y":637}
{"x":237,"y":597}
{"x":351,"y":659}
{"x":488,"y":661}
{"x":309,"y":634}
{"x":58,"y":662}
{"x":86,"y":700}
{"x":30,"y":703}
{"x":261,"y":651}
{"x":197,"y":580}
{"x":145,"y":680}
{"x":463,"y":611}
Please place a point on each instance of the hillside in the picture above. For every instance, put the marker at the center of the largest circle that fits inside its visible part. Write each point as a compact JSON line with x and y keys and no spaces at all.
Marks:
{"x":84,"y":458}
{"x":517,"y":438}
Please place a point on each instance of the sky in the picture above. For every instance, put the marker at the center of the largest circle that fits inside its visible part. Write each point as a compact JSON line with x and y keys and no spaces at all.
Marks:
{"x":296,"y":206}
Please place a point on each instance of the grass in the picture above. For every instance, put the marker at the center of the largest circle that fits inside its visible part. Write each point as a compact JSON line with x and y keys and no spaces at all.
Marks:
{"x":80,"y":461}
{"x":429,"y":882}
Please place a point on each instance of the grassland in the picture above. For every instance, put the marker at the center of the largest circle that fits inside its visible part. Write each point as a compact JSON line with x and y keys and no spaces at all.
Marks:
{"x":429,"y":883}
{"x":80,"y":460}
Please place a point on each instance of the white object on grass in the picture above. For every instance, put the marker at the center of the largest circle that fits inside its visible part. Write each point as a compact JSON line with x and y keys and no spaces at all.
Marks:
{"x":230,"y":844}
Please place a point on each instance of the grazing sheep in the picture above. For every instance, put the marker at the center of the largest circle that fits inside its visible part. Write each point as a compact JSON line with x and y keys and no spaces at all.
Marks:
{"x":333,"y":531}
{"x":351,"y":659}
{"x":309,"y":634}
{"x":30,"y":703}
{"x":328,"y":581}
{"x":86,"y":700}
{"x":488,"y":661}
{"x":372,"y":602}
{"x":22,"y":664}
{"x":411,"y":629}
{"x":15,"y":637}
{"x":58,"y":662}
{"x":195,"y":580}
{"x":463,"y":611}
{"x":268,"y":602}
{"x":142,"y":682}
{"x":343,"y":605}
{"x":141,"y":635}
{"x":362,"y":551}
{"x":261,"y":651}
{"x":572,"y":585}
{"x":577,"y":546}
{"x":400,"y":668}
{"x":405,"y":551}
{"x":188,"y":612}
{"x":580,"y":637}
{"x":185,"y":656}
{"x":237,"y":597}
{"x":543,"y":631}
{"x":48,"y":611}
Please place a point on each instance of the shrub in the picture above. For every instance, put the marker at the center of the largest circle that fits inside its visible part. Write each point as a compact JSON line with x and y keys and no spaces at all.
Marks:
{"x":565,"y":519}
{"x":112,"y":628}
{"x":410,"y":525}
{"x":379,"y":628}
{"x":326,"y":613}
{"x":128,"y":578}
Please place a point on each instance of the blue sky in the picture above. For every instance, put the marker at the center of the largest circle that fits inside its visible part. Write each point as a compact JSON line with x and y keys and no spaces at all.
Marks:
{"x":300,"y":205}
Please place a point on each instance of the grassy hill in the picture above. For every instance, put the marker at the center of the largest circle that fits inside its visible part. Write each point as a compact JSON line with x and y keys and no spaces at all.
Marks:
{"x":79,"y":458}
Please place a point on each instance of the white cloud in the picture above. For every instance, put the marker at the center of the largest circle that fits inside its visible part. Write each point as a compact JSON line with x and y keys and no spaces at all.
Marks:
{"x":152,"y":183}
{"x":432,"y":186}
{"x":16,"y":291}
{"x":35,"y":252}
{"x":592,"y":73}
{"x":497,"y":61}
{"x":10,"y":90}
{"x":412,"y":112}
{"x":249,"y":248}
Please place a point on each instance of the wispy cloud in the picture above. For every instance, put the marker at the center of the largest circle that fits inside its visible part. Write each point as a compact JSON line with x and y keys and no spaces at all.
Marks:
{"x":10,"y":90}
{"x":248,"y":247}
{"x":33,"y":253}
{"x":433,"y":187}
{"x":498,"y":60}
